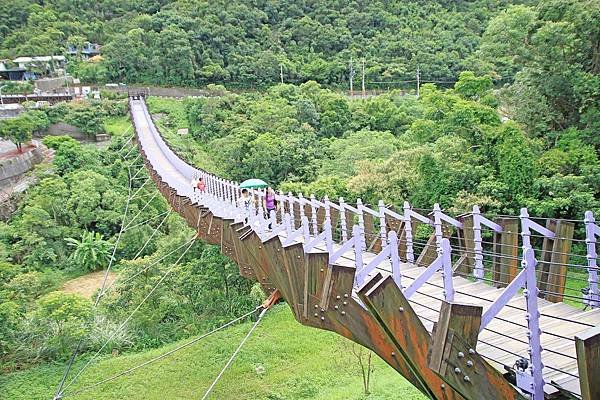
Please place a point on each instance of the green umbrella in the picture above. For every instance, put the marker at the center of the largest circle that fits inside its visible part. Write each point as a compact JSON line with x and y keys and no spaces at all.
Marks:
{"x":253,"y":184}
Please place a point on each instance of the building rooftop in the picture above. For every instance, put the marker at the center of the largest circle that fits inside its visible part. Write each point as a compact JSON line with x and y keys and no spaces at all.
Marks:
{"x":19,"y":60}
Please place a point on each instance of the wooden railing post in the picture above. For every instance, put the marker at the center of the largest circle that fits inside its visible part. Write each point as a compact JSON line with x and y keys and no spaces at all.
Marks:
{"x":587,"y":346}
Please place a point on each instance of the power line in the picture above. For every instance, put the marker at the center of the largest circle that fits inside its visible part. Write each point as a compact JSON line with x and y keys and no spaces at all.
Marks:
{"x":104,"y":280}
{"x":160,"y":357}
{"x":128,"y":318}
{"x":262,"y":314}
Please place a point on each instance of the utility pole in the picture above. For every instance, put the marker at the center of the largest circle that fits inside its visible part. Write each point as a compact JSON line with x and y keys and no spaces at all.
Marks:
{"x":364,"y":92}
{"x":281,"y":72}
{"x":351,"y":78}
{"x":418,"y":80}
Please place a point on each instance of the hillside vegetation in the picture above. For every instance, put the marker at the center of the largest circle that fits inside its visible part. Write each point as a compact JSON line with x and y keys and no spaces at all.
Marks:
{"x":283,"y":360}
{"x":196,"y":42}
{"x":507,"y":115}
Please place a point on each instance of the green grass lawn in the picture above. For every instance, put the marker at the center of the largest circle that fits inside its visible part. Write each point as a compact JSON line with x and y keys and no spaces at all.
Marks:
{"x":117,"y":125}
{"x":282,"y":360}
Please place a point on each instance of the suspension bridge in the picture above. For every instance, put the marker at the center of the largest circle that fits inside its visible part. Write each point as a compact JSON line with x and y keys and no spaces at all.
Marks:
{"x":463,"y":306}
{"x":484,"y":308}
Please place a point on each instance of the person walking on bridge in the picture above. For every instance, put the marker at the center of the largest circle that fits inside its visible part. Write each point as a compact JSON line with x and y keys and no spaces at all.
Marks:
{"x":200,"y":185}
{"x":270,"y":204}
{"x":244,"y":204}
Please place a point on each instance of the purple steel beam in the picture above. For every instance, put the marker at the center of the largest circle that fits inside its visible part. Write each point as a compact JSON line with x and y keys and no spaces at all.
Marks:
{"x":509,"y":292}
{"x":527,"y":225}
{"x":533,"y":325}
{"x":344,"y":248}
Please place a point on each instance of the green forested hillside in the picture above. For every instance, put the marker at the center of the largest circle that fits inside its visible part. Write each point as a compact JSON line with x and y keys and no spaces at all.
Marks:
{"x":195,"y":42}
{"x":507,"y":115}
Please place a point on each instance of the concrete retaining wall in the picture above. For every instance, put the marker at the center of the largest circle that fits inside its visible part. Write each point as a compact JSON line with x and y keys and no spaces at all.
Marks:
{"x":64,"y":129}
{"x":18,"y":165}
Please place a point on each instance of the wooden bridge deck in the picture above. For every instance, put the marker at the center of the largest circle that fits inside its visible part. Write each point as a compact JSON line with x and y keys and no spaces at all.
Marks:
{"x":500,"y":344}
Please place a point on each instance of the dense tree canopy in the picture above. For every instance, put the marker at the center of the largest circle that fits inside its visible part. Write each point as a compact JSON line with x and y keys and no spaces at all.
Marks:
{"x":198,"y":42}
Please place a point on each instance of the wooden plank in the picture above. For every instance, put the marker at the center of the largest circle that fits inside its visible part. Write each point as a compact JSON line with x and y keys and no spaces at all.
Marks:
{"x":587,"y":345}
{"x":506,"y":252}
{"x":316,"y":273}
{"x":428,"y":254}
{"x":373,"y":237}
{"x":403,"y":326}
{"x":555,"y":257}
{"x":346,"y":316}
{"x":467,"y":244}
{"x":470,"y":374}
{"x":397,"y":226}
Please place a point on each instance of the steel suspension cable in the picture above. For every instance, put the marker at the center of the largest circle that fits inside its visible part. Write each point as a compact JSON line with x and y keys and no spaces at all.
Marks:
{"x":160,"y":357}
{"x":152,"y":235}
{"x":153,"y":263}
{"x":262,"y":314}
{"x":104,"y":280}
{"x":144,"y":222}
{"x":129,"y":316}
{"x":143,"y":208}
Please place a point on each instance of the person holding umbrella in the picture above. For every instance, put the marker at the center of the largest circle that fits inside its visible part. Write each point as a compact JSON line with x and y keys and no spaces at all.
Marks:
{"x":245,"y":200}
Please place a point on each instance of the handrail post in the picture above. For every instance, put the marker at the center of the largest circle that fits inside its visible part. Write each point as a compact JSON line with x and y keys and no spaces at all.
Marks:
{"x":301,"y":206}
{"x":361,"y":223}
{"x":313,"y":216}
{"x":358,"y":260}
{"x":525,"y":232}
{"x":260,"y":211}
{"x":591,"y":230}
{"x":446,"y":252}
{"x":382,"y":223}
{"x":305,"y":229}
{"x":288,"y":224}
{"x":410,"y":255}
{"x":478,"y":248}
{"x":395,"y":259}
{"x":531,"y":293}
{"x":281,"y":203}
{"x":343,"y":224}
{"x":437,"y":224}
{"x":328,"y":228}
{"x":230,"y":191}
{"x":291,"y":206}
{"x":273,"y":219}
